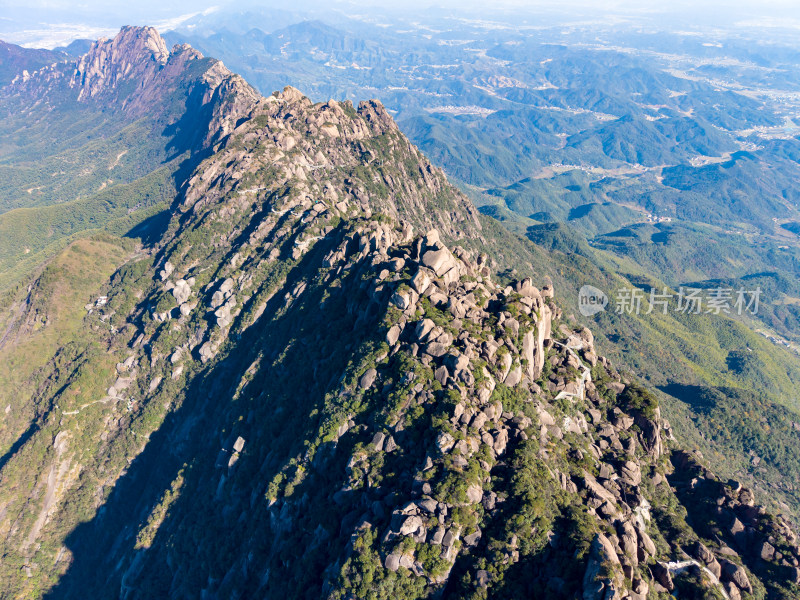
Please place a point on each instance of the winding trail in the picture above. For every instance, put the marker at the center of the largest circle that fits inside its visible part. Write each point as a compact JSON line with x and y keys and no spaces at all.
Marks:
{"x":102,"y":400}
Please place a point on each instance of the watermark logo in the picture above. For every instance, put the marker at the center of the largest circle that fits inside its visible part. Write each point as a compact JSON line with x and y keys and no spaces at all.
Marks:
{"x":690,"y":301}
{"x":591,"y":300}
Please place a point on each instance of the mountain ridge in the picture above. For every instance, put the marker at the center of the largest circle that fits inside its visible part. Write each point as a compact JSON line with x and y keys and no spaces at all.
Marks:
{"x":136,"y":60}
{"x":315,"y":384}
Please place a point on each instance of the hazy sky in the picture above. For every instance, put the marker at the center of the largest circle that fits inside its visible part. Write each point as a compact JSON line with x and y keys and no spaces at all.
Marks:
{"x":53,"y":22}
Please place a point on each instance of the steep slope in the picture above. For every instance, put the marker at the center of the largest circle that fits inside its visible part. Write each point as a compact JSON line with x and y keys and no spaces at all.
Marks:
{"x":47,"y":316}
{"x":690,"y":358}
{"x":83,"y":120}
{"x":97,"y":142}
{"x":316,"y":385}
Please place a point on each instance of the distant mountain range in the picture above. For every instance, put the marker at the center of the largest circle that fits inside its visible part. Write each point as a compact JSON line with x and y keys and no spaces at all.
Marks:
{"x":14,"y":60}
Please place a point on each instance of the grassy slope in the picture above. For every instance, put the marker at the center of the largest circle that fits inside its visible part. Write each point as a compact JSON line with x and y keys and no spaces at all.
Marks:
{"x":29,"y":236}
{"x":49,"y":318}
{"x":71,"y":171}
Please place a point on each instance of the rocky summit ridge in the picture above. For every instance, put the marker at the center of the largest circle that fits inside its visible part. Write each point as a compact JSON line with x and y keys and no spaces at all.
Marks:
{"x":317,"y":384}
{"x":134,"y":54}
{"x":136,"y":75}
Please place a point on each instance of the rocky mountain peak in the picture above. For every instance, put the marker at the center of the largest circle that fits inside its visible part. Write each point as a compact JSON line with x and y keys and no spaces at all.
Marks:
{"x":136,"y":75}
{"x":16,"y":61}
{"x":332,"y":157}
{"x":135,"y":53}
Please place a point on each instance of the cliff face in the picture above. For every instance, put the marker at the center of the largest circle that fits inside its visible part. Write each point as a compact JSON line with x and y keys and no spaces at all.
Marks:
{"x":136,"y":75}
{"x":316,"y":385}
{"x":135,"y":54}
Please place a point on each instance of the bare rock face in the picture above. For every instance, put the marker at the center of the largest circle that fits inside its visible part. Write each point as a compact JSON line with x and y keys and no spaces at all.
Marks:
{"x":533,"y":343}
{"x":514,"y":376}
{"x":411,"y":525}
{"x":393,"y":334}
{"x":534,"y":368}
{"x":135,"y":73}
{"x":134,"y":54}
{"x":602,"y":556}
{"x":703,"y":554}
{"x":376,"y":115}
{"x":441,"y":261}
{"x":651,"y":433}
{"x":207,"y":352}
{"x":392,"y":562}
{"x":181,"y":291}
{"x":662,"y":575}
{"x":368,"y":379}
{"x":631,"y":473}
{"x":629,"y":543}
{"x":736,"y":574}
{"x":225,"y":313}
{"x":421,"y":281}
{"x":474,"y":494}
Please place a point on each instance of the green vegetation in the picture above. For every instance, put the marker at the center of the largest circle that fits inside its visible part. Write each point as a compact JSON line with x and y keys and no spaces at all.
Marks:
{"x":38,"y":324}
{"x":29,"y":236}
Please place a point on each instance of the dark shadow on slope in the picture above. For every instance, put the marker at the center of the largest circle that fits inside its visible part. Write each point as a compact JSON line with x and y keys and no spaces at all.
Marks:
{"x":151,"y":230}
{"x":221,"y":532}
{"x":581,"y":211}
{"x":551,"y":558}
{"x":700,"y":494}
{"x":21,"y":441}
{"x":698,"y":398}
{"x":560,"y":237}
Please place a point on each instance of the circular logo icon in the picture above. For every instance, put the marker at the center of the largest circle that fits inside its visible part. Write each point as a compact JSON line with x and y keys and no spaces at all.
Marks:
{"x":591,"y":300}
